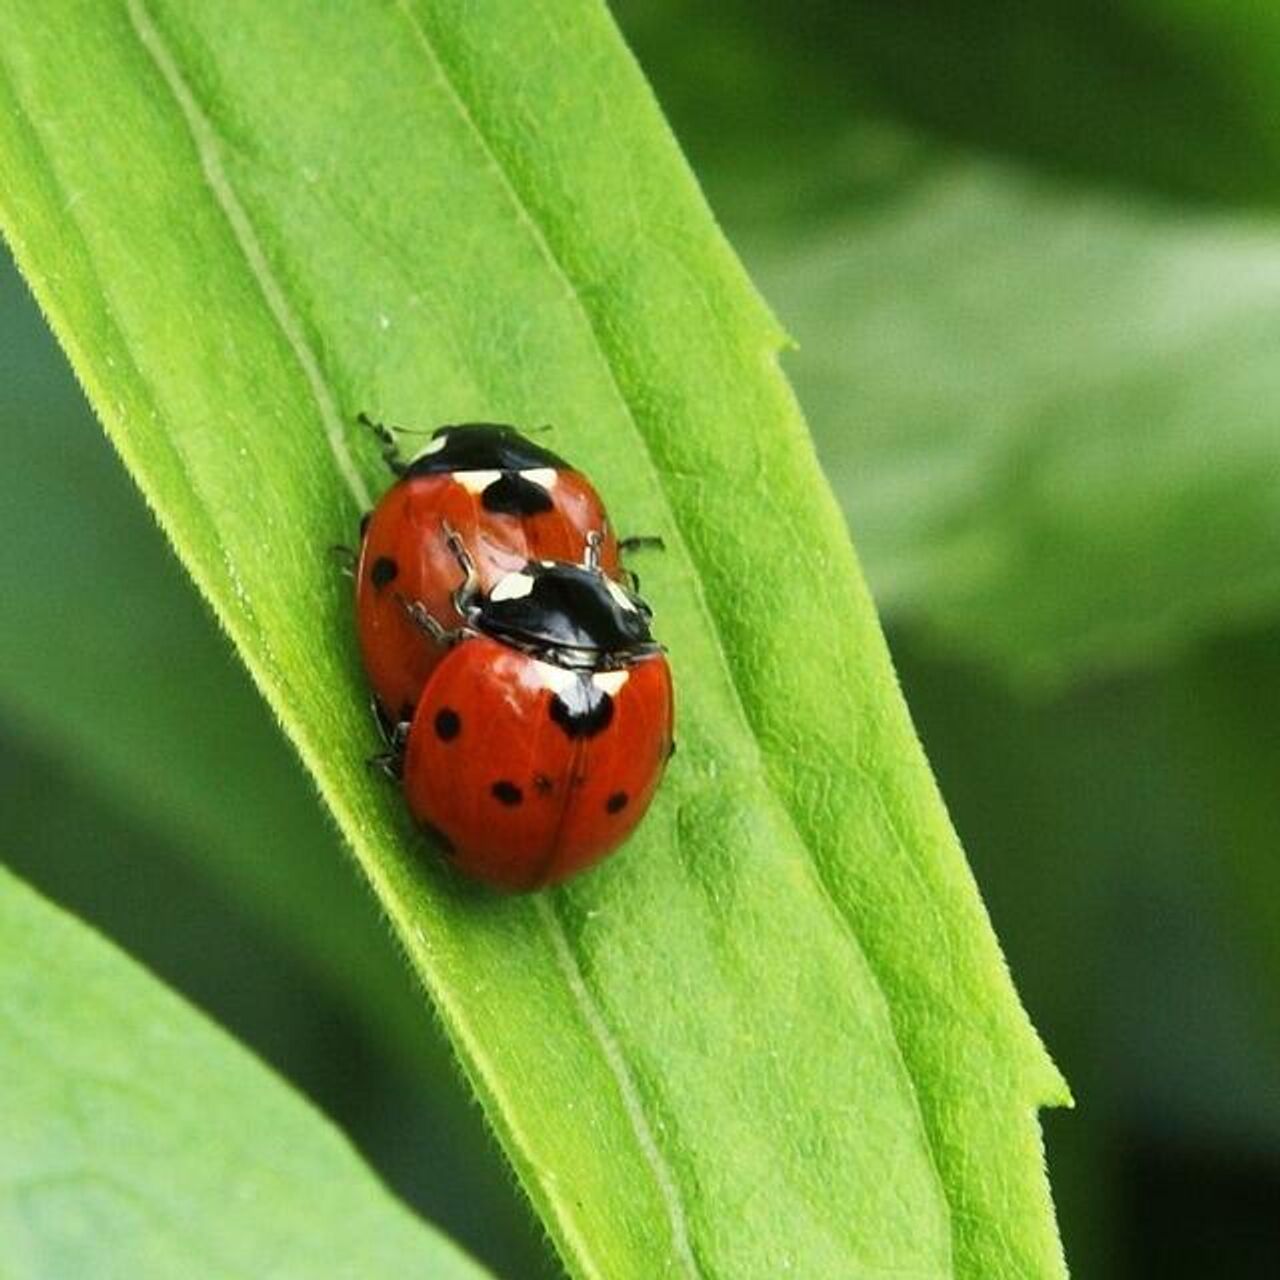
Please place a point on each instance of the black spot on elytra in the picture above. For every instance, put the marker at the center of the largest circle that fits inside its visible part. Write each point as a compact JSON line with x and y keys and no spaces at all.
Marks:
{"x":582,"y":710}
{"x":507,"y":792}
{"x":616,"y":802}
{"x":511,"y":494}
{"x":384,"y":570}
{"x":448,"y":724}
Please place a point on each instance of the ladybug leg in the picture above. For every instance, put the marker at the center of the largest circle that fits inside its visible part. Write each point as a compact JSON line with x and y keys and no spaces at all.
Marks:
{"x":465,"y":594}
{"x":394,"y":735}
{"x":344,"y":558}
{"x":384,"y":724}
{"x":386,"y":442}
{"x":388,"y":763}
{"x":641,"y":542}
{"x":423,"y":620}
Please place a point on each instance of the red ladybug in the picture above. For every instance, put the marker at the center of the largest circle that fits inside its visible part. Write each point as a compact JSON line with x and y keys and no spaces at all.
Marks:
{"x":508,"y":499}
{"x":541,"y":736}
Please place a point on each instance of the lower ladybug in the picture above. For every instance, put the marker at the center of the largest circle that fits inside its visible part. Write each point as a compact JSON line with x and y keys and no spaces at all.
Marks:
{"x":543,"y":733}
{"x":508,"y":499}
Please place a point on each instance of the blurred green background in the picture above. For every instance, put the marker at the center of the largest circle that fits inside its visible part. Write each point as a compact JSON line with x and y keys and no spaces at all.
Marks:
{"x":1031,"y":256}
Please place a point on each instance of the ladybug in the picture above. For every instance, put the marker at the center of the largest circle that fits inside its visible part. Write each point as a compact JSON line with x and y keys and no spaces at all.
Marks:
{"x":509,"y":500}
{"x":543,"y":732}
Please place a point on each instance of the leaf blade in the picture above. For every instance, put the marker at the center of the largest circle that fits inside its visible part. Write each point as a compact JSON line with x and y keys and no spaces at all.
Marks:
{"x":504,"y":965}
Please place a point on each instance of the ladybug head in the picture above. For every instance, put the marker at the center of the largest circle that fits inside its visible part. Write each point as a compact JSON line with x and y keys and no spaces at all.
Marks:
{"x":482,"y":446}
{"x":569,"y":614}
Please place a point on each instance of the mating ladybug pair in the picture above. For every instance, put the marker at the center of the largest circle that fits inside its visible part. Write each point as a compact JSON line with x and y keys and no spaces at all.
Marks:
{"x":526,"y":707}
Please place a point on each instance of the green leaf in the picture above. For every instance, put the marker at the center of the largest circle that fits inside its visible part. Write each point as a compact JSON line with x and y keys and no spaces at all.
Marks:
{"x":1047,"y":406}
{"x":775,"y":1033}
{"x":141,"y":1141}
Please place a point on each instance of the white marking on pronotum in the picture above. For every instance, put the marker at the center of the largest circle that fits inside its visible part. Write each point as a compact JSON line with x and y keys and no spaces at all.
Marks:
{"x":512,"y":586}
{"x":611,"y":681}
{"x":543,"y":477}
{"x":557,"y":679}
{"x":205,"y":139}
{"x":476,"y":481}
{"x":432,"y":446}
{"x":624,"y":600}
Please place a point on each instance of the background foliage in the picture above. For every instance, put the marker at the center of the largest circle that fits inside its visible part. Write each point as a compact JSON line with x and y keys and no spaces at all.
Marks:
{"x":1029,"y":254}
{"x":1030,"y":257}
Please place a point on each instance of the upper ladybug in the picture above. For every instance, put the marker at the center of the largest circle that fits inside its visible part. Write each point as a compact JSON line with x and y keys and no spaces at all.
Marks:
{"x":507,"y":499}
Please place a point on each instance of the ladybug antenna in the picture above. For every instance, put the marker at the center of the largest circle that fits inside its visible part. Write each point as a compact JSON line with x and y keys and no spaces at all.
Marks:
{"x":384,"y":430}
{"x":386,"y":442}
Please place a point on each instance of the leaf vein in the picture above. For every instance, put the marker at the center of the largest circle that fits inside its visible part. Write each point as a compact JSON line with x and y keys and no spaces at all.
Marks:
{"x":204,"y":138}
{"x":628,"y":1094}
